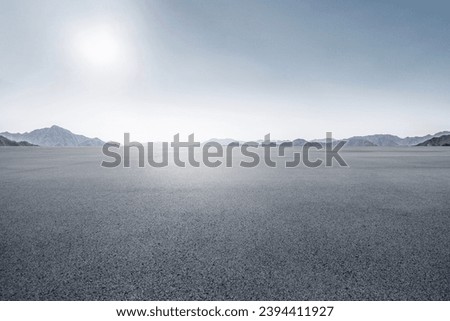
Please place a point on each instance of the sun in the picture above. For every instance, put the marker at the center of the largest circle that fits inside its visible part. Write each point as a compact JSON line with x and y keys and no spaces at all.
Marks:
{"x":99,"y":46}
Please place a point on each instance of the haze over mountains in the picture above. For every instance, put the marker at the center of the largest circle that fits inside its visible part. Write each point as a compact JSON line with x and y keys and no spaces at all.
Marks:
{"x":383,"y":140}
{"x":437,"y":141}
{"x":54,"y":136}
{"x":6,"y":142}
{"x":391,"y":140}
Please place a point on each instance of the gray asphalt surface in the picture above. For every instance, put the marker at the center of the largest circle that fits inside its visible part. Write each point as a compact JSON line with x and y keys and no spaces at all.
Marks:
{"x":72,"y":230}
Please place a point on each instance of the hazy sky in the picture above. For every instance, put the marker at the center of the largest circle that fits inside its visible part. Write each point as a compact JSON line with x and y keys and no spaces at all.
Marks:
{"x":236,"y":69}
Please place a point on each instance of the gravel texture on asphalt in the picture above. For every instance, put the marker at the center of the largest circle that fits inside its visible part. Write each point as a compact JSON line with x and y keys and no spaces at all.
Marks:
{"x":377,"y":230}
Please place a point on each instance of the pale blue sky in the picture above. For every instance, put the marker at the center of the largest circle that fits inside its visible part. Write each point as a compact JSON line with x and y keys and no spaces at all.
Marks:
{"x":225,"y":68}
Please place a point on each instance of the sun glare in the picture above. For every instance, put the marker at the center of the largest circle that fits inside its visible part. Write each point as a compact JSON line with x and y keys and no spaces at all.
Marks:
{"x":99,"y":46}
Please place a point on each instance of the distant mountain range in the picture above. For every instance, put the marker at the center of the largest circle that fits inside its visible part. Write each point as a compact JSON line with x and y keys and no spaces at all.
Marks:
{"x":57,"y":136}
{"x":358,"y":141}
{"x":437,"y":141}
{"x":53,"y":136}
{"x":384,"y":140}
{"x":223,"y":141}
{"x":391,"y":140}
{"x":6,"y":142}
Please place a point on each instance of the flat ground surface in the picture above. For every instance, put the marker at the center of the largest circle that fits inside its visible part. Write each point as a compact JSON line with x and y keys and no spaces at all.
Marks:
{"x":72,"y":230}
